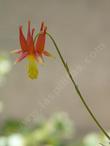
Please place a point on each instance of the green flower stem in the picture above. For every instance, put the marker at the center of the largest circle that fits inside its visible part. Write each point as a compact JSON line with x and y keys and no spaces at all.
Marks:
{"x":77,"y":89}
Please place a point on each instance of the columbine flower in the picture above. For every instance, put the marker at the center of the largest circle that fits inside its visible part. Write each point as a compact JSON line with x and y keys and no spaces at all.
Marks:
{"x":32,"y":49}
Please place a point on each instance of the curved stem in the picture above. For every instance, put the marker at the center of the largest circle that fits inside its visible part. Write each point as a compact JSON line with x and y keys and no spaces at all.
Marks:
{"x":77,"y":89}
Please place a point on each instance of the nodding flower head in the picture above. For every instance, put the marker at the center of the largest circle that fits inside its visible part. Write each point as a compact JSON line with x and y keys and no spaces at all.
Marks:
{"x":32,"y":49}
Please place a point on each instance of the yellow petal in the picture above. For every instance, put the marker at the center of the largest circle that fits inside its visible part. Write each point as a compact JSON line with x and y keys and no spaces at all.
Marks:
{"x":32,"y":67}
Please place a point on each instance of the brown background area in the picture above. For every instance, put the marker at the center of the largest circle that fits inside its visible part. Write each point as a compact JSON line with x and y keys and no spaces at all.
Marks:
{"x":82,"y":31}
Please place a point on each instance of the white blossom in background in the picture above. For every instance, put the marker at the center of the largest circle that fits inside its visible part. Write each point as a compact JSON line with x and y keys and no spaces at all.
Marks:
{"x":3,"y":141}
{"x":15,"y":140}
{"x":5,"y":66}
{"x":95,"y":139}
{"x":91,"y":139}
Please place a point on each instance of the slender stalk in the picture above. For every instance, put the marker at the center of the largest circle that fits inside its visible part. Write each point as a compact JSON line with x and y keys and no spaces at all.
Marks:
{"x":77,"y":89}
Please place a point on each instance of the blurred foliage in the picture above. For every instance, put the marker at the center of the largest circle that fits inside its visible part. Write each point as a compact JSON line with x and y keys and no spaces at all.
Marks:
{"x":56,"y":131}
{"x":12,"y":126}
{"x":53,"y":132}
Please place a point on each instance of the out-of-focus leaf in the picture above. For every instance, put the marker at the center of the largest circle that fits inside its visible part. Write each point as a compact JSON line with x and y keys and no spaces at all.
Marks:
{"x":12,"y":126}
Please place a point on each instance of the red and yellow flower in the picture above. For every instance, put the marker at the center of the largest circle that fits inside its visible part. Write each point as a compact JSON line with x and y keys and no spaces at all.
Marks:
{"x":32,"y":49}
